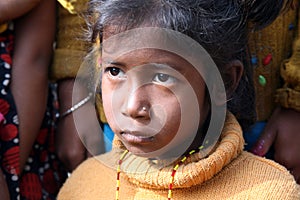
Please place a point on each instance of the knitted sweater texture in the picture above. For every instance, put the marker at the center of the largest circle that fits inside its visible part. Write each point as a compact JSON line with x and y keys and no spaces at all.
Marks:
{"x":227,"y":173}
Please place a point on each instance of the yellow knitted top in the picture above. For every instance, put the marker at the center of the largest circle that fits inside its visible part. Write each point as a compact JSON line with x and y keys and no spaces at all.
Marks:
{"x":289,"y":95}
{"x":71,"y":47}
{"x":281,"y":41}
{"x":227,"y":173}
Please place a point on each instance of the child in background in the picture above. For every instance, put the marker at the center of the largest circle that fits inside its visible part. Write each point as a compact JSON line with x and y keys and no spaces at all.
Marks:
{"x":149,"y":105}
{"x":276,"y":134}
{"x":28,"y":161}
{"x":71,"y":139}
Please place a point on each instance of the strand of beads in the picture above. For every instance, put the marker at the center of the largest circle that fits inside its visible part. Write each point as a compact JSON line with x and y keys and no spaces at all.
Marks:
{"x":118,"y":174}
{"x":171,"y":183}
{"x":170,"y":191}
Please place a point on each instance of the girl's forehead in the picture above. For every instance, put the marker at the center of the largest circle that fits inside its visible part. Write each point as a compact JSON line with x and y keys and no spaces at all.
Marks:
{"x":149,"y":53}
{"x":116,"y":28}
{"x":109,"y":31}
{"x":147,"y":56}
{"x":153,"y":45}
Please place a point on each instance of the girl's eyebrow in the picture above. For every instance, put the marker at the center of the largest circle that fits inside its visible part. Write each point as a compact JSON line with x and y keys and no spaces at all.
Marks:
{"x":158,"y":65}
{"x":114,"y":63}
{"x":162,"y":65}
{"x":174,"y":66}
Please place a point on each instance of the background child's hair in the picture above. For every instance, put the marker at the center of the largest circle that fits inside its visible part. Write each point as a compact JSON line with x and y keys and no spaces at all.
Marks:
{"x":220,"y":26}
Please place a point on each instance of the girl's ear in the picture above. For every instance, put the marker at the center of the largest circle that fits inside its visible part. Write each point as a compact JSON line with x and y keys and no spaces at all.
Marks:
{"x":232,"y":76}
{"x":232,"y":73}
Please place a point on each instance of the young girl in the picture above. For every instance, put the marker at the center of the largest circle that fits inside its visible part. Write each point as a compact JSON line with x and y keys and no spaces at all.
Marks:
{"x":163,"y":99}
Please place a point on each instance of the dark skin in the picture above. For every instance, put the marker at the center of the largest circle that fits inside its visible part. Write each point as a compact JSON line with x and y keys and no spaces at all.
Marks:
{"x":12,"y":9}
{"x":72,"y":134}
{"x":282,"y":131}
{"x":34,"y":35}
{"x":3,"y":187}
{"x":33,"y":49}
{"x":76,"y":140}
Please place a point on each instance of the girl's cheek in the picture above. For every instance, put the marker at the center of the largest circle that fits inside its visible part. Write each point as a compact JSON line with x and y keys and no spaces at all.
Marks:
{"x":105,"y":86}
{"x":107,"y":109}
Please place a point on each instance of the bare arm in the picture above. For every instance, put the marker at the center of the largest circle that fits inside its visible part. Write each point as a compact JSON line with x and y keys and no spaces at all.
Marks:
{"x":33,"y":49}
{"x":11,"y":9}
{"x":76,"y":140}
{"x":3,"y":187}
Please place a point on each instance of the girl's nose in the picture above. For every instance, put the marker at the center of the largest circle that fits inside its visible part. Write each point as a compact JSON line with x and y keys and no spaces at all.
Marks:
{"x":137,"y":105}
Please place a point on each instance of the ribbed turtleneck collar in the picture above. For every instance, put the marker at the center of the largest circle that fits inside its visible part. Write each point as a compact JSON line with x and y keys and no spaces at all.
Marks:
{"x":194,"y":171}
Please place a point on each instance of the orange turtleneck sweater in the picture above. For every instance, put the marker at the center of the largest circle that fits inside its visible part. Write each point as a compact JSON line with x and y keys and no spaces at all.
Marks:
{"x":227,"y":173}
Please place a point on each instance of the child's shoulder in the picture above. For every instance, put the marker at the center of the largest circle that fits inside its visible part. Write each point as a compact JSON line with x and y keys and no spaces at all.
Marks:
{"x":261,"y":161}
{"x":88,"y":179}
{"x":260,"y":168}
{"x":104,"y":162}
{"x":261,"y":176}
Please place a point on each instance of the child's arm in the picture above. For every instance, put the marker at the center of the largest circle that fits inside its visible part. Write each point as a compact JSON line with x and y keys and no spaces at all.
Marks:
{"x":72,"y":133}
{"x":33,"y":47}
{"x":3,"y":187}
{"x":11,"y":9}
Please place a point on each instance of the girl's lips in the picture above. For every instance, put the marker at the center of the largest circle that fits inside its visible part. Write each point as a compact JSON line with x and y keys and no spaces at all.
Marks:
{"x":133,"y":137}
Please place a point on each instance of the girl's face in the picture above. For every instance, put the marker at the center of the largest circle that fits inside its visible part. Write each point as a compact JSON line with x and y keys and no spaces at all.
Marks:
{"x":154,"y":101}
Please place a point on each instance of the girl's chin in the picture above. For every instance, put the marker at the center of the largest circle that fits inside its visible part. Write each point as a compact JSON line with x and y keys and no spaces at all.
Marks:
{"x":140,"y":151}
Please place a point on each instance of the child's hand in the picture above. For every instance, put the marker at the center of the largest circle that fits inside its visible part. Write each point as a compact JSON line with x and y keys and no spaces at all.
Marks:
{"x":283,"y":132}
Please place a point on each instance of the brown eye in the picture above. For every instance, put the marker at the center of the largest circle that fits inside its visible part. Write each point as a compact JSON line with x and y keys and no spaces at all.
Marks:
{"x":114,"y":71}
{"x":163,"y":77}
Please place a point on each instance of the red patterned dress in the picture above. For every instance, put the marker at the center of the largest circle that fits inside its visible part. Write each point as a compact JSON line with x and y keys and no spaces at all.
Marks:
{"x":43,"y":175}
